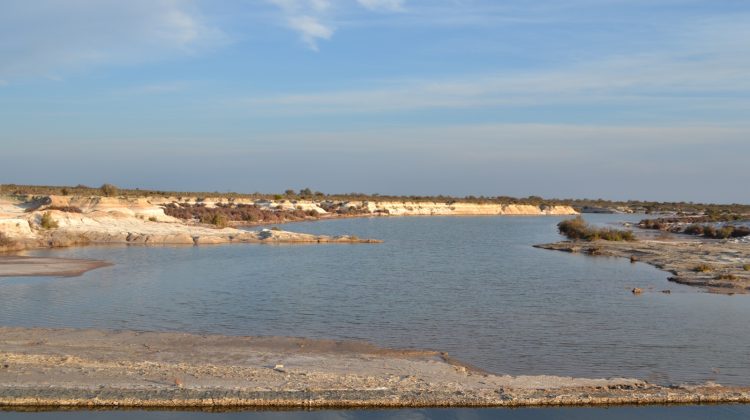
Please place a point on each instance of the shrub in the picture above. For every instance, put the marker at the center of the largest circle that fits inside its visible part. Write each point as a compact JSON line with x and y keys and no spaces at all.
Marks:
{"x":152,"y":219}
{"x":694,"y":229}
{"x":108,"y":190}
{"x":216,"y":219}
{"x":726,"y":277}
{"x":48,"y":222}
{"x":703,"y":268}
{"x":709,"y":231}
{"x":746,"y":267}
{"x":578,"y":229}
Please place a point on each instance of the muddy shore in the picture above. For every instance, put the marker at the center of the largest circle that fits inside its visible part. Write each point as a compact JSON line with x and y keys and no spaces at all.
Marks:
{"x":718,"y":266}
{"x":90,"y":368}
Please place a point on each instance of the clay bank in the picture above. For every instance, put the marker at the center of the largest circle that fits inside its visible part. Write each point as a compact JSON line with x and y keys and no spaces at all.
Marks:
{"x":90,"y":368}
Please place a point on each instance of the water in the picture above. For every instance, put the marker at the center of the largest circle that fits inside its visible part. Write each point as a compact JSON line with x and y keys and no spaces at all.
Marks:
{"x":472,"y":286}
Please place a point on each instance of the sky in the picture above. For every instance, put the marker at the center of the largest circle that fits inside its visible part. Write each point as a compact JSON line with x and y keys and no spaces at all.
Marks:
{"x":615,"y":99}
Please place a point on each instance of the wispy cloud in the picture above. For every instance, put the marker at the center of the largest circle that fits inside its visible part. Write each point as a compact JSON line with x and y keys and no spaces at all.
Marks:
{"x":315,"y":20}
{"x":45,"y":38}
{"x":706,"y":68}
{"x":306,"y":17}
{"x":310,"y":29}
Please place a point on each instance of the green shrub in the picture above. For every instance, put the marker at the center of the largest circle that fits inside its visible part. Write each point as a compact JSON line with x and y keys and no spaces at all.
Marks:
{"x":152,"y":219}
{"x":578,"y":229}
{"x":48,"y":222}
{"x":746,"y":267}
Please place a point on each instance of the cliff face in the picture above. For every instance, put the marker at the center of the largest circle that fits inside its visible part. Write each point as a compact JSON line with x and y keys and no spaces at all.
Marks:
{"x":151,"y":207}
{"x":104,"y":220}
{"x":462,"y":209}
{"x":82,"y":220}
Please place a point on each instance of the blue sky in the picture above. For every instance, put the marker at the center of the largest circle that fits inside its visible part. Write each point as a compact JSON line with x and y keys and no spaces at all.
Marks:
{"x":582,"y":98}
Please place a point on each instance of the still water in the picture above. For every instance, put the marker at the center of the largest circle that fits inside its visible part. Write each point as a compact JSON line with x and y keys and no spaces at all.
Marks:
{"x":471,"y":286}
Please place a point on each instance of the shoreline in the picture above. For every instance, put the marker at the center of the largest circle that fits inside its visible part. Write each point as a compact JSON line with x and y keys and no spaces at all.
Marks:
{"x":717,"y":266}
{"x":42,"y":367}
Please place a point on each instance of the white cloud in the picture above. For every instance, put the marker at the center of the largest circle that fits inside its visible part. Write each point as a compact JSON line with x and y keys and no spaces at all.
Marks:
{"x":314,"y":20}
{"x":391,"y":5}
{"x":306,"y":17}
{"x":44,"y":38}
{"x":310,"y":29}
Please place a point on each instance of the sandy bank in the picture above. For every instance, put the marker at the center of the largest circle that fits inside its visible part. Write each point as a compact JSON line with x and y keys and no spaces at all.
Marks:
{"x":96,"y":368}
{"x":717,"y":266}
{"x":17,"y":266}
{"x":99,"y":220}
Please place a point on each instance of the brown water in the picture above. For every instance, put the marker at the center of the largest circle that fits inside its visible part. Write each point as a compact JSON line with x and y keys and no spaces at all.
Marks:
{"x":472,"y":286}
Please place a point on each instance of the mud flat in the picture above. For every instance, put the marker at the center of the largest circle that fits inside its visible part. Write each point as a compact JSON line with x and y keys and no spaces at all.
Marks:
{"x":89,"y":368}
{"x":717,"y":266}
{"x":17,"y":266}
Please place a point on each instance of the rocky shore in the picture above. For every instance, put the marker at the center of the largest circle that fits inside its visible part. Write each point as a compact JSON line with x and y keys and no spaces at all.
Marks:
{"x":720,"y":266}
{"x":91,"y":368}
